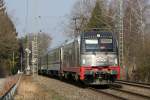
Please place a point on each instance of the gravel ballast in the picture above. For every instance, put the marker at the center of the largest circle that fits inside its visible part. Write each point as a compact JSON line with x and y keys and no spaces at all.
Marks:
{"x":45,"y":88}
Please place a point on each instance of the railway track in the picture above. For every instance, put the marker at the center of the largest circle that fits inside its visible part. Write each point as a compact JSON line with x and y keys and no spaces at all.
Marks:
{"x":121,"y":94}
{"x":129,"y":95}
{"x":106,"y":92}
{"x":137,"y":88}
{"x":125,"y":90}
{"x":142,"y":85}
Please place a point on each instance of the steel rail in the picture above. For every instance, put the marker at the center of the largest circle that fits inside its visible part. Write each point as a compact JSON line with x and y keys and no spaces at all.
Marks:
{"x":142,"y":85}
{"x":9,"y":94}
{"x":133,"y":82}
{"x":132,"y":93}
{"x":106,"y":93}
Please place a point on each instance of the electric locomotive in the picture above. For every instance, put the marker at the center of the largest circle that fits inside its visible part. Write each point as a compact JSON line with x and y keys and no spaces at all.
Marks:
{"x":91,"y":58}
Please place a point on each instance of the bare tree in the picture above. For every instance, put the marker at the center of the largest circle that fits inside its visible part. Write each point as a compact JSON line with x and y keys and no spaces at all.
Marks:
{"x":79,"y":16}
{"x":135,"y":37}
{"x":44,"y":41}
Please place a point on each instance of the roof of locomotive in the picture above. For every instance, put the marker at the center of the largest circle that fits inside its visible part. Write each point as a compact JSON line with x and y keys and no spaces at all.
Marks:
{"x":98,"y":32}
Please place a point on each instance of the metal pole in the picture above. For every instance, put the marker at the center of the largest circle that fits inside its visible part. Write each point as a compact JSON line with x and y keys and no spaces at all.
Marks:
{"x":28,"y":67}
{"x":120,"y":31}
{"x":21,"y":61}
{"x":33,"y":57}
{"x":119,"y":19}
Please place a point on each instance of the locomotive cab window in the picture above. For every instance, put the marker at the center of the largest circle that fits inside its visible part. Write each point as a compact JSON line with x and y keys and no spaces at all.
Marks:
{"x":95,"y":42}
{"x":106,"y":44}
{"x":91,"y":44}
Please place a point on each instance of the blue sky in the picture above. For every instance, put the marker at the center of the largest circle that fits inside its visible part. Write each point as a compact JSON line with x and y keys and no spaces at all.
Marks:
{"x":52,"y":14}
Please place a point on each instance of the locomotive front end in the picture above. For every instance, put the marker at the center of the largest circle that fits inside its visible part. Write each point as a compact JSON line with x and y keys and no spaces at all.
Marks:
{"x":99,"y":60}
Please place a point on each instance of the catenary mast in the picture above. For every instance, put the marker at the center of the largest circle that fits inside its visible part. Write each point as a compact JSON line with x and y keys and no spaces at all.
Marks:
{"x":120,"y":31}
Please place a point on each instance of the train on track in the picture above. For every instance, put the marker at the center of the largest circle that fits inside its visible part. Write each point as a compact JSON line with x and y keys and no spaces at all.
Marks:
{"x":91,"y":58}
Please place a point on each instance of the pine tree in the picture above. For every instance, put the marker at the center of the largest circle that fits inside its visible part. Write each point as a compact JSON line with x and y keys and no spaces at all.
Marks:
{"x":8,"y":42}
{"x":97,"y":19}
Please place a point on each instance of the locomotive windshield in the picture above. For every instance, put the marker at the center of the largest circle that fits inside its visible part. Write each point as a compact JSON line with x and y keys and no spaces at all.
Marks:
{"x":91,"y":44}
{"x":95,"y":42}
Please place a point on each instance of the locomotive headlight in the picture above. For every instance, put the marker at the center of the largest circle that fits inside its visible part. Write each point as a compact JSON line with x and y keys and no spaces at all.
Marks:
{"x":116,"y":61}
{"x":98,"y":35}
{"x":83,"y":61}
{"x":113,"y":61}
